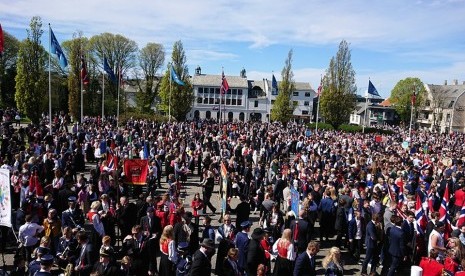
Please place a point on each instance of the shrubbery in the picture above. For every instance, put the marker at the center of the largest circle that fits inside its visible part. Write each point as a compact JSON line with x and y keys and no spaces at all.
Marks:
{"x":323,"y":126}
{"x":124,"y":118}
{"x":350,"y":128}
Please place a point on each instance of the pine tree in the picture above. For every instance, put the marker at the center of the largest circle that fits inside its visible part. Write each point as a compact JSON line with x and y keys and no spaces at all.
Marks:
{"x":283,"y":107}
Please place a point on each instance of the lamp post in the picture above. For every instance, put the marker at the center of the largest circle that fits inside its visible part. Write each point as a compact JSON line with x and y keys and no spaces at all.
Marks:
{"x":103,"y":98}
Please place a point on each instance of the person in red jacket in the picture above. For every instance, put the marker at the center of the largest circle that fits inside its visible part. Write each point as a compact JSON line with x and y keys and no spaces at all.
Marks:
{"x":430,"y":266}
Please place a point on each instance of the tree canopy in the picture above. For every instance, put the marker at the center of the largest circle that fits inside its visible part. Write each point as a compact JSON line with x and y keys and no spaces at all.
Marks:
{"x":401,"y":96}
{"x":283,"y":107}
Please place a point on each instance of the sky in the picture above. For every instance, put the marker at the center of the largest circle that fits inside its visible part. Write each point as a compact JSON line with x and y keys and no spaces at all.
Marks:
{"x":389,"y":40}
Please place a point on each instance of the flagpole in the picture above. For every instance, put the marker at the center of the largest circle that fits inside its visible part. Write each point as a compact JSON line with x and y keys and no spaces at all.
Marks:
{"x":320,"y":88}
{"x":103,"y":89}
{"x":82,"y":88}
{"x":50,"y":78}
{"x":169,"y":96}
{"x":365,"y":115}
{"x":117,"y":108}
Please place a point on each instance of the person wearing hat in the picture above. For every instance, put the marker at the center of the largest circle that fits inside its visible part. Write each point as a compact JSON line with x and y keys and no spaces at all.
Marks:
{"x":104,"y":267}
{"x":46,"y":263}
{"x":187,"y":231}
{"x":201,"y":261}
{"x":256,"y":253}
{"x":184,"y":259}
{"x":34,"y":265}
{"x":242,"y":243}
{"x":72,"y":217}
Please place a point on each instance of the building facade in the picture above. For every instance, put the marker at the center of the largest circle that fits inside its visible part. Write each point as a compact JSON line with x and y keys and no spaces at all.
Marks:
{"x":245,"y":100}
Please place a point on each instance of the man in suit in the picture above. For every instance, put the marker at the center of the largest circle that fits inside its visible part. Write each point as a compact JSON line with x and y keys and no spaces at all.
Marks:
{"x":305,"y":262}
{"x":201,"y":261}
{"x":409,"y":233}
{"x":104,"y":267}
{"x":126,"y":214}
{"x":150,"y":223}
{"x":242,"y":243}
{"x":396,"y":245}
{"x":372,"y":243}
{"x":256,"y":253}
{"x":86,"y":257}
{"x":300,"y":232}
{"x":242,"y":212}
{"x":72,"y":217}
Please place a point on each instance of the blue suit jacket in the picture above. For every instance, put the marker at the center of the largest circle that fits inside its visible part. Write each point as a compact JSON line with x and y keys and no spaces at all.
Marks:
{"x":370,"y":235}
{"x":396,"y":242}
{"x":303,"y":266}
{"x":242,"y":243}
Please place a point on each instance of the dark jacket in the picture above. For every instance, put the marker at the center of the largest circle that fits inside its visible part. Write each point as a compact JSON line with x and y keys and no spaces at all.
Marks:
{"x":255,"y":257}
{"x":303,"y":266}
{"x":201,"y":265}
{"x":110,"y":270}
{"x":303,"y":235}
{"x":397,"y":240}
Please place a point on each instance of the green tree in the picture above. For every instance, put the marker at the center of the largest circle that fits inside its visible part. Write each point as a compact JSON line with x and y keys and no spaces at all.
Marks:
{"x":338,"y":92}
{"x":401,"y":96}
{"x":179,"y":98}
{"x":283,"y":107}
{"x":31,"y":79}
{"x":8,"y":70}
{"x":151,"y":59}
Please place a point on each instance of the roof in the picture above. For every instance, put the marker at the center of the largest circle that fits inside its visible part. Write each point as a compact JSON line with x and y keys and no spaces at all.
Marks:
{"x":385,"y":103}
{"x":446,"y":91}
{"x":215,"y":81}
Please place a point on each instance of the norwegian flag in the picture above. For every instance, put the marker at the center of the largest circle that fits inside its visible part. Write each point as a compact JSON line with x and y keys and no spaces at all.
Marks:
{"x":420,"y":216}
{"x":444,"y":214}
{"x":84,"y":75}
{"x":461,"y":220}
{"x":320,"y":87}
{"x":112,"y":160}
{"x":224,"y":84}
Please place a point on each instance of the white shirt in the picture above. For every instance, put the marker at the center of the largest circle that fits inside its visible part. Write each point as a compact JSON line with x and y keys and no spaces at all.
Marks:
{"x":27,"y":233}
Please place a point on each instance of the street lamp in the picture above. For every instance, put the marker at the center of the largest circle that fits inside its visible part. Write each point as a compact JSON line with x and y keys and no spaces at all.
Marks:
{"x":103,"y":102}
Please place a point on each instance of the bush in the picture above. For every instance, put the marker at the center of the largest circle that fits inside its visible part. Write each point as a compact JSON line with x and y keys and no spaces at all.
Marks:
{"x":124,"y":118}
{"x":356,"y":128}
{"x":323,"y":126}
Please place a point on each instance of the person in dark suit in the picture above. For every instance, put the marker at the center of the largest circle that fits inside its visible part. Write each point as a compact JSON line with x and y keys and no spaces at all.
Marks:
{"x":46,"y":263}
{"x":72,"y":217}
{"x":242,"y":212}
{"x":201,"y":261}
{"x":409,"y":233}
{"x":372,"y":243}
{"x":86,"y":257}
{"x":256,"y":253}
{"x":300,"y":233}
{"x":242,"y":243}
{"x":104,"y":267}
{"x":150,"y":223}
{"x":126,"y":214}
{"x":230,"y":266}
{"x":396,"y":245}
{"x":305,"y":262}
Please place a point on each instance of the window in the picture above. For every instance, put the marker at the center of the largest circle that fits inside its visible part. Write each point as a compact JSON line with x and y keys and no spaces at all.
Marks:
{"x":307,"y":94}
{"x":295,"y":94}
{"x":212,"y":90}
{"x":199,"y":100}
{"x":200,"y":90}
{"x":205,"y":100}
{"x":306,"y":103}
{"x":272,"y":101}
{"x":228,"y":92}
{"x":217,"y":91}
{"x":239,"y":91}
{"x":255,"y":104}
{"x":234,"y":91}
{"x":427,"y":103}
{"x":239,"y":101}
{"x":451,"y":104}
{"x":211,"y":100}
{"x":228,"y":101}
{"x":217,"y":100}
{"x":233,"y":102}
{"x":304,"y":112}
{"x":222,"y":101}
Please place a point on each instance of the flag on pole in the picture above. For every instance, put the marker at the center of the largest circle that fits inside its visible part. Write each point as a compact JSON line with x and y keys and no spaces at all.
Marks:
{"x":56,"y":49}
{"x":420,"y":216}
{"x":444,"y":214}
{"x":121,"y":76}
{"x":175,"y":77}
{"x":109,"y":71}
{"x":84,"y":75}
{"x":224,"y":84}
{"x":414,"y":97}
{"x":320,"y":88}
{"x":372,"y":89}
{"x":146,"y":150}
{"x":274,"y":85}
{"x":2,"y":41}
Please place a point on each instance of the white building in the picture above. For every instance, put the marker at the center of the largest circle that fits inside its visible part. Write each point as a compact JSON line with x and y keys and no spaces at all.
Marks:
{"x":245,"y":100}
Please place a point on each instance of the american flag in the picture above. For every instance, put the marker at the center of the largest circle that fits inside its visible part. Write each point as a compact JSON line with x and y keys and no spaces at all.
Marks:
{"x":224,"y":84}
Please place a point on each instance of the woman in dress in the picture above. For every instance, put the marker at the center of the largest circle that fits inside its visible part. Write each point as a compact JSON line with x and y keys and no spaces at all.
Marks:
{"x":169,"y":255}
{"x":93,"y":216}
{"x":196,"y":205}
{"x":332,"y":263}
{"x":284,"y":248}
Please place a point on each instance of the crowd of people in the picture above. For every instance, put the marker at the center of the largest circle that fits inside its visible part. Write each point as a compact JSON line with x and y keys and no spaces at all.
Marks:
{"x":395,"y":199}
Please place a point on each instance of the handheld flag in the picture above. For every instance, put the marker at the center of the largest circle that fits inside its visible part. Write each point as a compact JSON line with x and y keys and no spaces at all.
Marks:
{"x":84,"y":75}
{"x":372,"y":90}
{"x":175,"y":77}
{"x":224,"y":84}
{"x":444,"y":213}
{"x":108,"y":70}
{"x":2,"y":41}
{"x":420,"y":216}
{"x":274,"y":85}
{"x":56,"y":49}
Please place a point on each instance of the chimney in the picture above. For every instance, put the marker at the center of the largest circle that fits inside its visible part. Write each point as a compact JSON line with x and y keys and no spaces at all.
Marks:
{"x":456,"y":82}
{"x":445,"y":82}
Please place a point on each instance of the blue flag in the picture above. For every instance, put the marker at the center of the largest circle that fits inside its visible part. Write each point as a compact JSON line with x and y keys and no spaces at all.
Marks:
{"x":372,"y":90}
{"x":175,"y":77}
{"x":274,"y":86}
{"x":56,"y":49}
{"x":146,"y":150}
{"x":111,"y":74}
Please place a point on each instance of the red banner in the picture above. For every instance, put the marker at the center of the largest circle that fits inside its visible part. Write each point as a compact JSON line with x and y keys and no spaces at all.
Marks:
{"x":135,"y":171}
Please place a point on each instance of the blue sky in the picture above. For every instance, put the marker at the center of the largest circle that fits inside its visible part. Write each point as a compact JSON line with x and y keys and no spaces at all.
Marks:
{"x":389,"y":40}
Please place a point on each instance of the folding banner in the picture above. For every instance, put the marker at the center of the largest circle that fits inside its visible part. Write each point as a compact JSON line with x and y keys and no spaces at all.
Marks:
{"x":5,"y":199}
{"x":135,"y":171}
